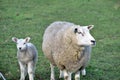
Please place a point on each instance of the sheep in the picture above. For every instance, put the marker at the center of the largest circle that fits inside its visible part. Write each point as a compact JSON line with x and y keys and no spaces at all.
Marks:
{"x":27,"y":55}
{"x":67,"y":46}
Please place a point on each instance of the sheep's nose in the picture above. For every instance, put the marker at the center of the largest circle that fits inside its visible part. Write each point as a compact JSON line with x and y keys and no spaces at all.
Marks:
{"x":94,"y":42}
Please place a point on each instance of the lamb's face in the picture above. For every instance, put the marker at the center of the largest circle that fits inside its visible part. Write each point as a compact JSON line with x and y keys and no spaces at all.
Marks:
{"x":83,"y":36}
{"x":21,"y":43}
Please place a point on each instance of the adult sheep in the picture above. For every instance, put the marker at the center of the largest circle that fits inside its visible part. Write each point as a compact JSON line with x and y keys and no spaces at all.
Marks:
{"x":27,"y":57}
{"x":67,"y":46}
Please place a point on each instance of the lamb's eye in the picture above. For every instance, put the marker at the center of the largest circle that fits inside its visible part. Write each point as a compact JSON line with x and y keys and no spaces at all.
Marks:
{"x":24,"y":43}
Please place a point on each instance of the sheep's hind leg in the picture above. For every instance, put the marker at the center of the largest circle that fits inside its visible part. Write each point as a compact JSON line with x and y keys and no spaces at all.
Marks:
{"x":52,"y":77}
{"x":83,"y":72}
{"x":77,"y":75}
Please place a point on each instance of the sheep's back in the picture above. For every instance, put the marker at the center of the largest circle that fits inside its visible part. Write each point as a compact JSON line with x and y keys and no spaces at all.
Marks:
{"x":52,"y":35}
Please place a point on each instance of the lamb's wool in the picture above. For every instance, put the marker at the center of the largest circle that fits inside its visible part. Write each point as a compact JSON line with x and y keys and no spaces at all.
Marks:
{"x":30,"y":54}
{"x":27,"y":57}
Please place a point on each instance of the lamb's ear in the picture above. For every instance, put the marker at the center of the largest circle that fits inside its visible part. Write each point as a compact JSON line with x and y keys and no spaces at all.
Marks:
{"x":27,"y":39}
{"x":14,"y":39}
{"x":90,"y":27}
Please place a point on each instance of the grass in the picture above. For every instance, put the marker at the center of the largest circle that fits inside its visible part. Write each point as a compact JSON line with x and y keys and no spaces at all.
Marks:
{"x":22,"y":18}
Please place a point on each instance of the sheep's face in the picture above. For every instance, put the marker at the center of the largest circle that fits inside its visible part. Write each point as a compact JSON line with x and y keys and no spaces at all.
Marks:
{"x":21,"y":43}
{"x":83,"y":36}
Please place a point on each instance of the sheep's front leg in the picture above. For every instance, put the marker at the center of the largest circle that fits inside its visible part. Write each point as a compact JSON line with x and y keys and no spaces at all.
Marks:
{"x":61,"y":74}
{"x":52,"y":77}
{"x":23,"y":69}
{"x":77,"y":75}
{"x":67,"y":75}
{"x":31,"y":69}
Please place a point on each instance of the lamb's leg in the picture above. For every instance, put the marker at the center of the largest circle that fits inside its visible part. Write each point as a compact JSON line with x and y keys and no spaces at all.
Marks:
{"x":52,"y":72}
{"x":61,"y":74}
{"x":31,"y":66}
{"x":77,"y":75}
{"x":67,"y":75}
{"x":83,"y":72}
{"x":23,"y":70}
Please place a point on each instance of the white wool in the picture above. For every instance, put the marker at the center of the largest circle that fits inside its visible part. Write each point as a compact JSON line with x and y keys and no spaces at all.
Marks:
{"x":27,"y":57}
{"x":68,"y":46}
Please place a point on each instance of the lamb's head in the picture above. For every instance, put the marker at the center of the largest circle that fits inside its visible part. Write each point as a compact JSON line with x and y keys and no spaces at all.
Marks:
{"x":21,"y":43}
{"x":83,"y":36}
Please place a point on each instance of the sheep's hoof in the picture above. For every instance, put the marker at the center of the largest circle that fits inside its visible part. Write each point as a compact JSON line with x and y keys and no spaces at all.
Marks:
{"x":83,"y":75}
{"x":52,"y":79}
{"x":66,"y":77}
{"x":77,"y":78}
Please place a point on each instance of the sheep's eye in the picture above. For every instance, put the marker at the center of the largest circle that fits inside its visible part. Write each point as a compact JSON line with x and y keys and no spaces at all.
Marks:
{"x":24,"y":43}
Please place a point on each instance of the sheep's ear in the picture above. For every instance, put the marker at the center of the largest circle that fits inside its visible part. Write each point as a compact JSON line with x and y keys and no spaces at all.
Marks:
{"x":90,"y":27}
{"x":14,"y":39}
{"x":27,"y":39}
{"x":75,"y":30}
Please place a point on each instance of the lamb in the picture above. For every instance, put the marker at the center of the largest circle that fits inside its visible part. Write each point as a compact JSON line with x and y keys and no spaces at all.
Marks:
{"x":67,"y":46}
{"x":27,"y":55}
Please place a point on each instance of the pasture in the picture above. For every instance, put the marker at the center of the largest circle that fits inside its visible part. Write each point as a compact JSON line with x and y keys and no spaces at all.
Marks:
{"x":22,"y":18}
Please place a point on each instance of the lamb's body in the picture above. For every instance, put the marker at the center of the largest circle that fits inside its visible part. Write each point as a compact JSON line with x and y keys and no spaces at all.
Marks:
{"x":58,"y":49}
{"x":27,"y":57}
{"x":30,"y":54}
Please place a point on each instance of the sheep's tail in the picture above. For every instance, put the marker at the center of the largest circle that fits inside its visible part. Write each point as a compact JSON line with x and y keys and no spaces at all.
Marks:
{"x":2,"y":76}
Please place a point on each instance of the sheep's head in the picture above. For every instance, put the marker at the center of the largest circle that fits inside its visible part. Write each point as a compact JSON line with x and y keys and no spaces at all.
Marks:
{"x":83,"y":36}
{"x":21,"y":43}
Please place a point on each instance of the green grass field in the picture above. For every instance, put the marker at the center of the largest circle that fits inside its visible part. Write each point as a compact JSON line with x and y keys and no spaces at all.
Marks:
{"x":22,"y":18}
